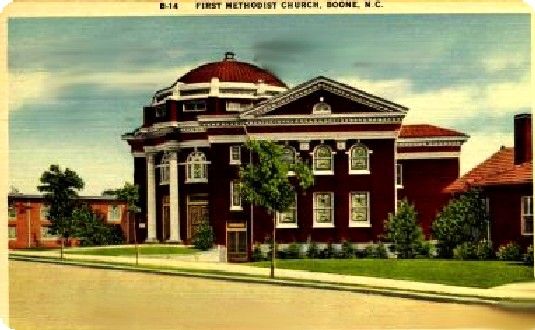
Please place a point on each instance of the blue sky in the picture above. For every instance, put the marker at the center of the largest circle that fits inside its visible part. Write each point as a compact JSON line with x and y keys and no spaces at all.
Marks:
{"x":77,"y":84}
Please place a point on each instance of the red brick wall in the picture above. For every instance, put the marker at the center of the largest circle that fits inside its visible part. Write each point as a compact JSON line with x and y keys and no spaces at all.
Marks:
{"x":28,"y":222}
{"x":505,"y":214}
{"x":423,"y":182}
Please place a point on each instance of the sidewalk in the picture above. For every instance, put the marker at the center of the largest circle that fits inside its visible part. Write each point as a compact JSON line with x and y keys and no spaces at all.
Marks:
{"x":523,"y":293}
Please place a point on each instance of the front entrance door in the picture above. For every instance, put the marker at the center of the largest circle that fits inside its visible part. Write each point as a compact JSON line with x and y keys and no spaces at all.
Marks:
{"x":197,"y":213}
{"x":236,"y":242}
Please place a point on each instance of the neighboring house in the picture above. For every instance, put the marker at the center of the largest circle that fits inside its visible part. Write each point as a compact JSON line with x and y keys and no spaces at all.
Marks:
{"x":189,"y":149}
{"x":28,"y":224}
{"x":506,"y":180}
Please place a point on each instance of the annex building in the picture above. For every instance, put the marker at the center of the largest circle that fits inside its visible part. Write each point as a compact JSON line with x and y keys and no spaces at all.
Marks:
{"x":189,"y":148}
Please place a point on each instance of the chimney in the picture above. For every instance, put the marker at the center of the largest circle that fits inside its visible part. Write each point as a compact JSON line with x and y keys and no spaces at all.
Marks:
{"x":523,"y":152}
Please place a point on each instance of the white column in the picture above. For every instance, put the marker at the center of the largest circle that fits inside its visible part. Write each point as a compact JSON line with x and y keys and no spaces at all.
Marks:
{"x":174,"y":198}
{"x":151,"y":199}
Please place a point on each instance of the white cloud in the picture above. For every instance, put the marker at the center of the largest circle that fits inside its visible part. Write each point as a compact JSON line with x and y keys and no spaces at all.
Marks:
{"x":41,"y":86}
{"x":500,"y":62}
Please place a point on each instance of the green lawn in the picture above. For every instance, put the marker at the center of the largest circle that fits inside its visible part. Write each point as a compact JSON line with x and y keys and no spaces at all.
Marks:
{"x":482,"y":274}
{"x":130,"y":251}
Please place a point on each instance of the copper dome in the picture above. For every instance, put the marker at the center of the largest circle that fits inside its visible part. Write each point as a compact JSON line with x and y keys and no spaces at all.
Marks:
{"x":230,"y":70}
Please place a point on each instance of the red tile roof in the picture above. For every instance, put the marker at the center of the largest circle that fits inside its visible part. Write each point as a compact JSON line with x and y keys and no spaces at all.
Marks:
{"x":422,"y":131}
{"x":498,"y":169}
{"x":229,"y":70}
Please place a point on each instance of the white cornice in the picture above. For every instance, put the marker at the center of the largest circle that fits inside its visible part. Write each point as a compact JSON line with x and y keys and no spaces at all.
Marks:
{"x":432,"y":141}
{"x":323,"y":83}
{"x":427,"y":155}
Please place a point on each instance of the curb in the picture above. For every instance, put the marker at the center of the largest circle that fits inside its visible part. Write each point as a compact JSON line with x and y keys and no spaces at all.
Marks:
{"x":505,"y":304}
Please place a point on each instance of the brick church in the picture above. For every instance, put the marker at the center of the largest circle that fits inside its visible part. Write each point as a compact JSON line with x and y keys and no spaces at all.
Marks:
{"x":188,"y":151}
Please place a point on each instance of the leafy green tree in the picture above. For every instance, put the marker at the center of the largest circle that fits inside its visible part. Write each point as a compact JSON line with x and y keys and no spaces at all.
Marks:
{"x":91,"y":228}
{"x":464,"y":219}
{"x":60,"y":194}
{"x":130,"y":194}
{"x":265,"y":181}
{"x":403,"y":230}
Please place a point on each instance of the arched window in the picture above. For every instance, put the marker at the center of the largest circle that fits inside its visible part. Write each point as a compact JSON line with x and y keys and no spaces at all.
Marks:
{"x":164,"y":169}
{"x":196,"y":167}
{"x":359,"y":159}
{"x":323,"y":159}
{"x":321,"y":108}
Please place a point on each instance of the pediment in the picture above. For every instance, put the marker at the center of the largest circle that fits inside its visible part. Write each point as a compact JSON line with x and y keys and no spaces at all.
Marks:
{"x":322,"y":95}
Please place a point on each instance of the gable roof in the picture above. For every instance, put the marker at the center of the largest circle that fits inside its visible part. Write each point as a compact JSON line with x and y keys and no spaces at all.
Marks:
{"x":498,"y":169}
{"x":424,"y":131}
{"x":327,"y":84}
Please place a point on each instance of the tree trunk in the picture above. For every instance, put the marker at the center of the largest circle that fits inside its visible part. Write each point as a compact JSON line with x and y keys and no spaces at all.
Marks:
{"x":273,"y":252}
{"x":61,"y":248}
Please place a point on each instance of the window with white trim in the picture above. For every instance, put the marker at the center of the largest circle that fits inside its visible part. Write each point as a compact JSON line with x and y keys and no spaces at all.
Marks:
{"x":235,"y":155}
{"x":164,"y":169}
{"x":44,"y":212}
{"x":323,"y":159}
{"x":323,"y":209}
{"x":196,"y":167}
{"x":12,"y":211}
{"x":46,"y":233}
{"x":288,"y":219}
{"x":359,"y":204}
{"x":321,"y":108}
{"x":235,"y":196}
{"x":114,"y":213}
{"x":194,"y":106}
{"x":359,"y":159}
{"x":12,"y":232}
{"x":527,"y":215}
{"x":236,"y":106}
{"x":399,"y":176}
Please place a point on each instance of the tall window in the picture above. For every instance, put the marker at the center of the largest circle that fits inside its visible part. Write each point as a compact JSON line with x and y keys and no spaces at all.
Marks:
{"x":359,"y":162}
{"x":323,"y":160}
{"x":235,"y":155}
{"x":323,"y":209}
{"x":288,"y":219}
{"x":44,"y":212}
{"x":196,"y":167}
{"x":527,"y":215}
{"x":12,"y":232}
{"x":12,"y":211}
{"x":360,"y":209}
{"x":114,"y":213}
{"x":235,"y":196}
{"x":399,"y":176}
{"x":164,"y":169}
{"x":289,"y":155}
{"x":197,"y":105}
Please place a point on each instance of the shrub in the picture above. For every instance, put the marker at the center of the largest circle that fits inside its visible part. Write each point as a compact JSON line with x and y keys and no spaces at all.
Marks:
{"x":282,"y":254}
{"x":203,"y":239}
{"x":484,"y":250}
{"x":360,"y":253}
{"x":327,"y":252}
{"x":347,"y":251}
{"x":403,"y":230}
{"x":313,"y":251}
{"x":426,"y":250}
{"x":294,"y":251}
{"x":465,"y":251}
{"x":509,"y":252}
{"x":464,"y":219}
{"x":376,"y":251}
{"x":257,"y":253}
{"x":528,"y":256}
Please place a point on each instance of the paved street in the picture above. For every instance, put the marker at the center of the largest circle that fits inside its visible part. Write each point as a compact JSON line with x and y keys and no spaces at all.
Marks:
{"x":46,"y":296}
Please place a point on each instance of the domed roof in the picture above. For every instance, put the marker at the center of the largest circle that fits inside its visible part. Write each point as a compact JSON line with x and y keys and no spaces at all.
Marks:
{"x":230,"y":70}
